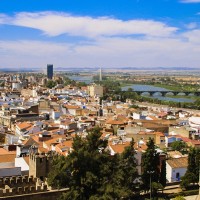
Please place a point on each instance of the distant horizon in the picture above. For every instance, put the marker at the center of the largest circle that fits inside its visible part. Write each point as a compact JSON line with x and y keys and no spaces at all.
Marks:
{"x":56,"y":69}
{"x":100,"y":33}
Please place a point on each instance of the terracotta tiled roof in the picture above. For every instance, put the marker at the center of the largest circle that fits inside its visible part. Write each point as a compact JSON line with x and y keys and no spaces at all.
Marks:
{"x":64,"y":144}
{"x":159,"y":133}
{"x":185,"y":139}
{"x":66,"y":122}
{"x":118,"y":148}
{"x":153,"y":117}
{"x":195,"y":142}
{"x":32,"y":140}
{"x":42,"y":150}
{"x":7,"y":158}
{"x":146,"y":133}
{"x":26,"y":158}
{"x":162,"y":114}
{"x":114,"y":122}
{"x":23,"y":125}
{"x":56,"y":130}
{"x":4,"y":152}
{"x":174,"y":154}
{"x":178,"y":162}
{"x":54,"y":140}
{"x":72,"y":107}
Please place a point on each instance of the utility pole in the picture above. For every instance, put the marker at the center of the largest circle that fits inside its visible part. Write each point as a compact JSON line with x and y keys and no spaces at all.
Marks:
{"x":199,"y":180}
{"x":150,"y":172}
{"x":198,"y":196}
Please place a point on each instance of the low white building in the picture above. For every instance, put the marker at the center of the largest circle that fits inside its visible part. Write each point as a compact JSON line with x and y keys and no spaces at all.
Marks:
{"x":176,"y":168}
{"x":23,"y":164}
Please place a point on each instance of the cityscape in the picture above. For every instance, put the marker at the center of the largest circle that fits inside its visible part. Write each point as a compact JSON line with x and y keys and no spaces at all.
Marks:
{"x":100,"y":100}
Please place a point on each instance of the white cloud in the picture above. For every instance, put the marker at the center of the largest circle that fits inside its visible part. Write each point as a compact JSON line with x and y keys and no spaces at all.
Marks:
{"x":192,"y":25}
{"x":54,"y":24}
{"x":4,"y":18}
{"x":190,"y":1}
{"x":193,"y":36}
{"x":105,"y":52}
{"x":112,"y":44}
{"x":27,"y":53}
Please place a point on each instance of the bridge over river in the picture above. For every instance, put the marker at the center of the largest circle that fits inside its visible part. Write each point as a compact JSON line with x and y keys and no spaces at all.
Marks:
{"x":166,"y":92}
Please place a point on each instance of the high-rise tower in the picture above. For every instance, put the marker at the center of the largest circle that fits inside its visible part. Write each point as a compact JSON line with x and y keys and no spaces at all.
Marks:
{"x":100,"y":74}
{"x":49,"y":71}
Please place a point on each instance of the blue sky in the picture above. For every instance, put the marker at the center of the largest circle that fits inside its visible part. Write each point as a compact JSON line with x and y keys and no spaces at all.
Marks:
{"x":106,"y":33}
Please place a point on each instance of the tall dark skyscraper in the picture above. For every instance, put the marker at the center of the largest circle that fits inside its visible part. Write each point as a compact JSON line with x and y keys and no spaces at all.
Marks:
{"x":49,"y":71}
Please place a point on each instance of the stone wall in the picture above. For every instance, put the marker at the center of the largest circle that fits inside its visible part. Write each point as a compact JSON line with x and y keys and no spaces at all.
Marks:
{"x":49,"y":195}
{"x":17,"y":185}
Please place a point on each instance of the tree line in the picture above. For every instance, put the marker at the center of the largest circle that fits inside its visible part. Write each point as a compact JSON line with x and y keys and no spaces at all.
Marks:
{"x":91,"y":172}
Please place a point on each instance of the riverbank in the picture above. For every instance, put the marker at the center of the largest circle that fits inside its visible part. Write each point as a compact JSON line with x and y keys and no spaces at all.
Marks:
{"x":183,"y":96}
{"x":166,"y":107}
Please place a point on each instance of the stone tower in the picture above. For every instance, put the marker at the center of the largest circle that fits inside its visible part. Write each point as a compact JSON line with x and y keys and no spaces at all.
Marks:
{"x":39,"y":163}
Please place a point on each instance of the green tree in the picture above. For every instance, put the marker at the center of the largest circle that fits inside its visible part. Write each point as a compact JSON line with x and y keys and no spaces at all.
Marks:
{"x":178,"y":145}
{"x":150,"y":165}
{"x":81,"y":84}
{"x":197,"y":102}
{"x":51,"y":84}
{"x":163,"y":179}
{"x":194,"y":161}
{"x":179,"y":198}
{"x":91,"y":172}
{"x":156,"y":186}
{"x":59,"y":174}
{"x":192,"y":174}
{"x":187,"y":179}
{"x":129,"y":95}
{"x":111,"y":87}
{"x":128,"y":167}
{"x":68,"y":81}
{"x":2,"y":83}
{"x":85,"y":163}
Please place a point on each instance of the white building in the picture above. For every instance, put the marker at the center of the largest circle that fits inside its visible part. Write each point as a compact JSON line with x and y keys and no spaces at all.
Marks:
{"x":23,"y":164}
{"x":176,"y":168}
{"x":16,"y":85}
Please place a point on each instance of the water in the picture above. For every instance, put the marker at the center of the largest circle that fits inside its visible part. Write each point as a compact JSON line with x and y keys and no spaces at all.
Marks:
{"x":144,"y":88}
{"x":174,"y":99}
{"x":157,"y":96}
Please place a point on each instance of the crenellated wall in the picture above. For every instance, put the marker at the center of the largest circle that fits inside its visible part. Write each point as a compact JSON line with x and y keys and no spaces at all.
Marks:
{"x":17,"y":185}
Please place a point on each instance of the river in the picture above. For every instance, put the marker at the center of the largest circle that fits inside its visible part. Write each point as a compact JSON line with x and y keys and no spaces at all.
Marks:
{"x":157,"y":95}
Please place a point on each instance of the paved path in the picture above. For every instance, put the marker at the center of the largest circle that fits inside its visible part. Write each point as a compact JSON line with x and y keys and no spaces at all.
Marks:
{"x":172,"y":189}
{"x":194,"y":197}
